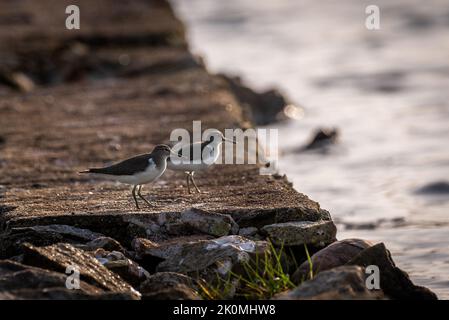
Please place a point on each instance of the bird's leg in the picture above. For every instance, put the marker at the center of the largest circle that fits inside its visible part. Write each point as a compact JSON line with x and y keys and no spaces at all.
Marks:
{"x":141,"y":197}
{"x":193,"y":181}
{"x":134,"y":196}
{"x":188,"y":181}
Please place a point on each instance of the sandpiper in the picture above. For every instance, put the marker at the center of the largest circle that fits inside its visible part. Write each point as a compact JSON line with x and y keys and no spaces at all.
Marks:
{"x":137,"y":171}
{"x":210,"y":151}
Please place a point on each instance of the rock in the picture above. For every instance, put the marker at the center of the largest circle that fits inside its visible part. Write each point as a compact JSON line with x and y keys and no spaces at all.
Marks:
{"x":17,"y":80}
{"x":202,"y":257}
{"x":259,"y":218}
{"x":18,"y":281}
{"x":165,"y":249}
{"x":105,"y":243}
{"x":62,"y":255}
{"x":394,"y":282}
{"x":192,"y":221}
{"x":341,"y":283}
{"x":322,"y":138}
{"x":248,"y":232}
{"x":175,"y":292}
{"x":16,"y":276}
{"x":299,"y":233}
{"x":437,"y":188}
{"x":168,"y":279}
{"x":11,"y":241}
{"x":61,"y":294}
{"x":127,"y":269}
{"x":169,"y":285}
{"x":336,"y":254}
{"x":195,"y":220}
{"x":67,"y":231}
{"x":263,"y":108}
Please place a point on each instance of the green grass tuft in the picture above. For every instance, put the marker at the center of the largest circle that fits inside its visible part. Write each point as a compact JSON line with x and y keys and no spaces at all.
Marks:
{"x":262,"y":278}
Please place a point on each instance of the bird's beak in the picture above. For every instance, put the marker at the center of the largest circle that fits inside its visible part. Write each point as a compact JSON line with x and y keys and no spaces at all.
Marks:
{"x":229,"y":140}
{"x":178,"y":156}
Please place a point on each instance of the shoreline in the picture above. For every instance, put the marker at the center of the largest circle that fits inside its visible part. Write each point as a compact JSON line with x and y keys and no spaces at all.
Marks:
{"x":358,"y":179}
{"x":109,"y":93}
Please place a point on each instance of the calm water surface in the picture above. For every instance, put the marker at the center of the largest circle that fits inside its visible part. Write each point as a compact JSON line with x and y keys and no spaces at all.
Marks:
{"x":387,"y":92}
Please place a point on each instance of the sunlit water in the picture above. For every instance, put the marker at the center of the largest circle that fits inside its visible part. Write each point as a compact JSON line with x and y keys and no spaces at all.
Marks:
{"x":387,"y":91}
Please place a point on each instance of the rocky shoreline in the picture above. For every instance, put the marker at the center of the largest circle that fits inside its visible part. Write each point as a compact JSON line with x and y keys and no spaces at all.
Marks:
{"x":114,"y":88}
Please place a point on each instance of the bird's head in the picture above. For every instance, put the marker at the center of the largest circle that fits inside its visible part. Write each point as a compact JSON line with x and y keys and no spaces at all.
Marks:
{"x":163,"y":150}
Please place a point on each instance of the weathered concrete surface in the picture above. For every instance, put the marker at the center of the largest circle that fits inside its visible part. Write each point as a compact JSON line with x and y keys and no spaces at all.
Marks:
{"x":113,"y":89}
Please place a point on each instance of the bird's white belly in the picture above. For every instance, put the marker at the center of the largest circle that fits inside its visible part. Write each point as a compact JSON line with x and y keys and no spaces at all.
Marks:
{"x":188,"y":166}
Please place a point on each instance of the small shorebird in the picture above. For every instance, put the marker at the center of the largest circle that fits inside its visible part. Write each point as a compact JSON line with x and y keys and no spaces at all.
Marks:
{"x":138,"y":170}
{"x":209,"y":151}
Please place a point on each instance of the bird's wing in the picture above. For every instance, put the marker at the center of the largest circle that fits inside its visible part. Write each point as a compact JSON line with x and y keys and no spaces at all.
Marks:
{"x":127,"y":167}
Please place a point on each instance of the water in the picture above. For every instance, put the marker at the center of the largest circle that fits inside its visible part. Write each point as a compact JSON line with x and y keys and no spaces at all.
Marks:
{"x":387,"y":91}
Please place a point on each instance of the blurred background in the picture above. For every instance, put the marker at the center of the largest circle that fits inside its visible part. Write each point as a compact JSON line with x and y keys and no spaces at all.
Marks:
{"x":383,"y":173}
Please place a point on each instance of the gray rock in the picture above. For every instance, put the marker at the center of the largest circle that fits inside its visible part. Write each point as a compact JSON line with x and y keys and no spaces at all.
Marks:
{"x":434,"y":188}
{"x":60,"y":256}
{"x":168,"y":279}
{"x":20,"y":281}
{"x":395,"y":283}
{"x":189,"y":222}
{"x":196,"y":220}
{"x":17,"y":80}
{"x":307,"y":211}
{"x":11,"y":241}
{"x":301,"y":232}
{"x":175,"y":292}
{"x":334,"y":255}
{"x":262,"y":107}
{"x":341,"y":283}
{"x":322,"y":138}
{"x":127,"y":269}
{"x":105,"y":243}
{"x":67,"y":231}
{"x":169,"y":285}
{"x":165,"y":249}
{"x":61,"y":294}
{"x":248,"y":232}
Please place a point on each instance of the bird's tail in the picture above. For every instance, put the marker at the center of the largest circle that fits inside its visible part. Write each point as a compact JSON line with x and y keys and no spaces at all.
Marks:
{"x":95,"y":170}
